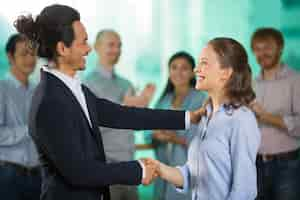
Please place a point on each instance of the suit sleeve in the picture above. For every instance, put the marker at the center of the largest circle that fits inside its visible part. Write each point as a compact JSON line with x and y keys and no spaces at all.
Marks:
{"x":123,"y":117}
{"x":61,"y":141}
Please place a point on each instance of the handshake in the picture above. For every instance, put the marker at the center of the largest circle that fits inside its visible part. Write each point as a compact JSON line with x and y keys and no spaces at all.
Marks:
{"x":152,"y":170}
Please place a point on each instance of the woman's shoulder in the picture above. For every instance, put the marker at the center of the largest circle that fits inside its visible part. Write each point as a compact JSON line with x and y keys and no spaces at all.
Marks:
{"x":244,"y":115}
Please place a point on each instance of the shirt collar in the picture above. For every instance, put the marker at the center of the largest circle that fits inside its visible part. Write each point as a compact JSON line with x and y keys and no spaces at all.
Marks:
{"x":17,"y":83}
{"x":209,"y":109}
{"x":279,"y":74}
{"x":71,"y":82}
{"x":108,"y":74}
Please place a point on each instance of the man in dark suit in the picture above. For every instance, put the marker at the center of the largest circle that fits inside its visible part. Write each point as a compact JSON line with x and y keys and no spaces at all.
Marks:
{"x":65,"y":115}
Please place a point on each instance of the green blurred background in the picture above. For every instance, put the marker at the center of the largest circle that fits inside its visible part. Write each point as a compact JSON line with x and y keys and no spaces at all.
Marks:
{"x":152,"y":30}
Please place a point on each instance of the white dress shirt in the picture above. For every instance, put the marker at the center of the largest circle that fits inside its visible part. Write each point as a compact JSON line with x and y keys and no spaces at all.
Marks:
{"x":74,"y":84}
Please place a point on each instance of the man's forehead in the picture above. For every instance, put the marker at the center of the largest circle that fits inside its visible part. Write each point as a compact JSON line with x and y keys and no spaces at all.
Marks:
{"x":79,"y":28}
{"x":265,"y":40}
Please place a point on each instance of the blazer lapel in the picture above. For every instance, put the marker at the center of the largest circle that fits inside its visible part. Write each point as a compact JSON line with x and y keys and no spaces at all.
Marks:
{"x":94,"y":130}
{"x":93,"y":116}
{"x":69,"y":95}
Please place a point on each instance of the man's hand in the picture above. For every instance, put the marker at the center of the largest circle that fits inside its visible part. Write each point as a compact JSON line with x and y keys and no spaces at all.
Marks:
{"x":151,"y":171}
{"x":196,"y":115}
{"x":257,"y":109}
{"x":266,"y":117}
{"x":167,"y":173}
{"x":162,"y":136}
{"x":169,"y":136}
{"x":143,"y":99}
{"x":148,"y":92}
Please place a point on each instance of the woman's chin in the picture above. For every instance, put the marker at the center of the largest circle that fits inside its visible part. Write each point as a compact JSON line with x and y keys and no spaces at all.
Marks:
{"x":199,"y":86}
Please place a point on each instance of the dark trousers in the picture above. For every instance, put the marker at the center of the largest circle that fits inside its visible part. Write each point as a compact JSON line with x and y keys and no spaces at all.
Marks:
{"x":16,"y":184}
{"x":278,"y":179}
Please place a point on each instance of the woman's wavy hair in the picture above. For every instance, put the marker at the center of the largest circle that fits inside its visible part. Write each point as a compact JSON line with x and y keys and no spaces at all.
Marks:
{"x":231,"y":54}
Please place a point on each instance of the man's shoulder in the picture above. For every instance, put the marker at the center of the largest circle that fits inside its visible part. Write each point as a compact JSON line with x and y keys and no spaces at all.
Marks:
{"x":123,"y":80}
{"x":6,"y":85}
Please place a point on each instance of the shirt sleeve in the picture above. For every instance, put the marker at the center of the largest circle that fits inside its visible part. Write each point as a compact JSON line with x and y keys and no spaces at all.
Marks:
{"x":244,"y":144}
{"x":9,"y":135}
{"x":184,"y":170}
{"x":143,"y":169}
{"x":187,"y":120}
{"x":292,"y":120}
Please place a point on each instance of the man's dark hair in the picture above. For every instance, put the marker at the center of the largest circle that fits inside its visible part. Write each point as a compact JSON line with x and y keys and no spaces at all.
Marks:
{"x":52,"y":25}
{"x":10,"y":47}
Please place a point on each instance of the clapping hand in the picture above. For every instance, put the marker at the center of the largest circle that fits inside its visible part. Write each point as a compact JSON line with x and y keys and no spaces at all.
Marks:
{"x":141,"y":100}
{"x":257,"y":109}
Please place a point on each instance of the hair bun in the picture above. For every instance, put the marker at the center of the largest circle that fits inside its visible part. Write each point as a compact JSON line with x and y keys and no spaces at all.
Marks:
{"x":26,"y":26}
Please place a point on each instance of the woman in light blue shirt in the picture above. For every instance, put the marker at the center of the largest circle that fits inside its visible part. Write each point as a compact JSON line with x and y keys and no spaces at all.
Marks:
{"x":171,"y":146}
{"x":222,"y":154}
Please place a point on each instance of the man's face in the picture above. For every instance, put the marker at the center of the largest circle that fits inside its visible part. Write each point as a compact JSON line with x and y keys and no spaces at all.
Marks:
{"x":108,"y":48}
{"x":24,"y":58}
{"x":79,"y":49}
{"x":267,"y":52}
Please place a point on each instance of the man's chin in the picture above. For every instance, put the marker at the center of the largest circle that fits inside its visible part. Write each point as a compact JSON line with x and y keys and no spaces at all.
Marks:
{"x":81,"y":68}
{"x":267,"y":66}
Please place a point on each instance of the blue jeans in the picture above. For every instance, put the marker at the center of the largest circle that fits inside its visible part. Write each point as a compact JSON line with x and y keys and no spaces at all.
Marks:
{"x":19,"y":186}
{"x":278,"y":180}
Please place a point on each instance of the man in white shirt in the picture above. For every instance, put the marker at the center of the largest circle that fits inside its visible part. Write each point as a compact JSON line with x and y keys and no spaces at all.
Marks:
{"x":64,"y":117}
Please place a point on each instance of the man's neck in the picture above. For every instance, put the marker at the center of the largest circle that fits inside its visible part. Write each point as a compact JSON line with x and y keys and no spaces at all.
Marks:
{"x":269,"y":74}
{"x":23,"y":78}
{"x":107,"y":66}
{"x":66,"y":69}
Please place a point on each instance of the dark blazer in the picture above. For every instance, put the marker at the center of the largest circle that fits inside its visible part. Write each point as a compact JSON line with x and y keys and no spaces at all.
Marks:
{"x":71,"y":151}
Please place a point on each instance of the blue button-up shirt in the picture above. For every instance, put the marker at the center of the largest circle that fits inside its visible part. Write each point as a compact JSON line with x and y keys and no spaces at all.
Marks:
{"x":222,"y":155}
{"x":15,"y":143}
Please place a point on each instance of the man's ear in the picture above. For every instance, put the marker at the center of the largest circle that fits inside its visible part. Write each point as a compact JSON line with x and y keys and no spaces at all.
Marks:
{"x":97,"y":46}
{"x":10,"y":58}
{"x":61,"y":49}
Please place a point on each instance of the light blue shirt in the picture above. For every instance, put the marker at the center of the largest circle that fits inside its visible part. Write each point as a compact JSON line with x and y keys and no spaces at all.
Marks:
{"x":175,"y":154}
{"x":15,"y":143}
{"x":222,"y":155}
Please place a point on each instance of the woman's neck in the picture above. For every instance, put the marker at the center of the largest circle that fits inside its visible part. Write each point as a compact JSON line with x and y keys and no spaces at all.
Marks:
{"x":179,"y":95}
{"x":181,"y":91}
{"x":217,"y":99}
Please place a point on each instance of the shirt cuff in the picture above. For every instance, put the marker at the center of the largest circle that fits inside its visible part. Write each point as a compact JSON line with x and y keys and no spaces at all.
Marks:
{"x":187,"y":120}
{"x":184,"y":170}
{"x":143,"y":169}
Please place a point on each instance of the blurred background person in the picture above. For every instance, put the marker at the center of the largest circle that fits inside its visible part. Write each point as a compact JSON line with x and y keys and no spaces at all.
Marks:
{"x":105,"y":83}
{"x":20,"y":177}
{"x":179,"y":94}
{"x":277,"y":109}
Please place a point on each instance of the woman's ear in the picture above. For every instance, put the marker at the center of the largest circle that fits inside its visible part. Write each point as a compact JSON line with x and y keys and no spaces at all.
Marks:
{"x":226,"y":73}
